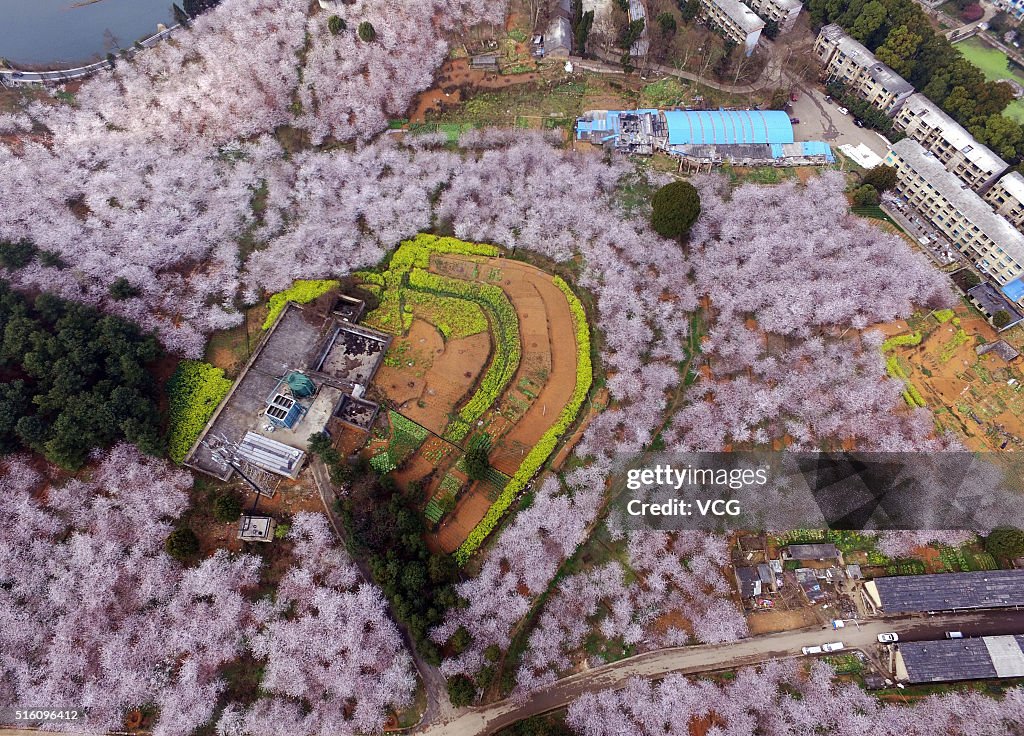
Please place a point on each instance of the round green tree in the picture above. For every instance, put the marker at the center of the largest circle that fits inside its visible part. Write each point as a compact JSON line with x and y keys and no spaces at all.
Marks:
{"x":227,"y":507}
{"x":1006,"y":541}
{"x":461,"y":690}
{"x":367,"y":32}
{"x":182,"y":544}
{"x":477,"y":463}
{"x":335,"y":25}
{"x":676,"y":208}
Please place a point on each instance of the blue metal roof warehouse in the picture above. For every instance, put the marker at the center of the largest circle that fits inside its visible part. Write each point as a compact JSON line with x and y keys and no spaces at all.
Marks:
{"x":709,"y":127}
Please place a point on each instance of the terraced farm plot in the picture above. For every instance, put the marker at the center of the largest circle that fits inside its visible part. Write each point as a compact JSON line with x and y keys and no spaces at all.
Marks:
{"x":980,"y":398}
{"x":512,"y":382}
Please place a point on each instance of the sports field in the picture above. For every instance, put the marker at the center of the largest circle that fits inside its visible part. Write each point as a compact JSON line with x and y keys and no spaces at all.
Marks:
{"x":994,"y":64}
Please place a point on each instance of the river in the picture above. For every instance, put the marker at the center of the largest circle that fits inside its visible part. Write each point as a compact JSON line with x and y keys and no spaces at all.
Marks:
{"x":55,"y":33}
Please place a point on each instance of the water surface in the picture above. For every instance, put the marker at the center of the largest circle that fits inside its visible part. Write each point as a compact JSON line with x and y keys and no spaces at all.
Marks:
{"x":56,"y":33}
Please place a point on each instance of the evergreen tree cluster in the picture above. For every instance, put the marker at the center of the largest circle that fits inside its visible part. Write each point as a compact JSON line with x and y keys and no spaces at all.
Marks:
{"x":73,"y":379}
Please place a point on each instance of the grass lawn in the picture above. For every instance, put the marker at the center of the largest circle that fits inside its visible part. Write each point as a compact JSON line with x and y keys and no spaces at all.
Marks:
{"x":994,"y":65}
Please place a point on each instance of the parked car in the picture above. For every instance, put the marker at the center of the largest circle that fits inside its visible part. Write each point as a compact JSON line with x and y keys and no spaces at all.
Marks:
{"x":794,"y":121}
{"x":832,"y":646}
{"x":858,"y":123}
{"x":954,"y":635}
{"x":793,"y":97}
{"x":843,"y":111}
{"x":838,"y":623}
{"x":811,"y":650}
{"x":828,"y":98}
{"x":888,"y":638}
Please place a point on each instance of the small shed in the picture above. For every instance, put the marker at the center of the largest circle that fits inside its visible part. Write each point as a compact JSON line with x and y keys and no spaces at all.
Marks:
{"x":252,"y":528}
{"x":485,"y":61}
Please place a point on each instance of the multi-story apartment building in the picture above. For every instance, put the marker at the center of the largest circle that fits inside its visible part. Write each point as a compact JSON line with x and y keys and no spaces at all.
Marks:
{"x":1007,"y":198}
{"x":957,"y":212}
{"x":849,"y":62}
{"x":973,"y":163}
{"x":738,"y":22}
{"x":783,"y":12}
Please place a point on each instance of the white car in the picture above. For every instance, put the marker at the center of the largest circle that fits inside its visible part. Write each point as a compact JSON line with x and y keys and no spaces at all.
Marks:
{"x":843,"y":111}
{"x":888,"y":638}
{"x":811,"y":650}
{"x":832,"y":646}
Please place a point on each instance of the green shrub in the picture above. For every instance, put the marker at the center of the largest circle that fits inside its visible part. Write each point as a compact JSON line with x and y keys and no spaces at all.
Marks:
{"x":367,"y":32}
{"x":461,"y":691}
{"x":544,"y":447}
{"x":1005,"y":542}
{"x":193,"y":394}
{"x":227,"y":507}
{"x":182,"y":544}
{"x":676,"y":206}
{"x":301,"y":292}
{"x":477,"y":463}
{"x":335,"y":24}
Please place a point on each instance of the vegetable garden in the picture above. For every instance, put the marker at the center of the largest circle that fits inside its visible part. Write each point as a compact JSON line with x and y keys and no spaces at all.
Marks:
{"x":523,"y":392}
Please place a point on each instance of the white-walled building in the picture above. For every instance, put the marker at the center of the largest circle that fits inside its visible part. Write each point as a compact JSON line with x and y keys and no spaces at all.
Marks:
{"x":988,"y":239}
{"x":973,"y":163}
{"x":738,"y":22}
{"x":783,"y":12}
{"x":1007,"y":198}
{"x":849,"y":62}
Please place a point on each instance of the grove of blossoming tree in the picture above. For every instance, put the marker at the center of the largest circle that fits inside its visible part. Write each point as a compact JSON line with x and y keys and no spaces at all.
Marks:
{"x":335,"y":662}
{"x":92,"y":610}
{"x":94,"y":613}
{"x":780,"y":698}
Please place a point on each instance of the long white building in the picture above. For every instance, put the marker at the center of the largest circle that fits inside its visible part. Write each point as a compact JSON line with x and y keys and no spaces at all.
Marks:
{"x":849,"y":62}
{"x":973,"y":163}
{"x":736,"y":21}
{"x":985,"y":237}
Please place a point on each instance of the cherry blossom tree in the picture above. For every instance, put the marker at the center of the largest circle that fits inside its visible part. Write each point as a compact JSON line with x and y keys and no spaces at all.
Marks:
{"x":92,"y":610}
{"x":780,"y":697}
{"x":335,"y":662}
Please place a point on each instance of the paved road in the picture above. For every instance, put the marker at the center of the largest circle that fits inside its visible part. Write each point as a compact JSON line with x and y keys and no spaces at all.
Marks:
{"x":689,"y":660}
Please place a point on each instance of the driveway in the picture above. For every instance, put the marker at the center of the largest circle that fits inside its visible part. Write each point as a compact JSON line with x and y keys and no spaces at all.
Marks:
{"x":821,"y":121}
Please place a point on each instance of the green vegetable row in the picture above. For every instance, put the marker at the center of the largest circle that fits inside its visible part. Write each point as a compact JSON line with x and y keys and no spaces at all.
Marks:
{"x":544,"y":447}
{"x":508,"y":349}
{"x":301,"y":292}
{"x":899,"y":341}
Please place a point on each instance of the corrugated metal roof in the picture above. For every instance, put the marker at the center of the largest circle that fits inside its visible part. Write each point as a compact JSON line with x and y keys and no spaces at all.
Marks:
{"x":947,"y":591}
{"x":1014,"y":290}
{"x":271,"y":455}
{"x":728,"y":126}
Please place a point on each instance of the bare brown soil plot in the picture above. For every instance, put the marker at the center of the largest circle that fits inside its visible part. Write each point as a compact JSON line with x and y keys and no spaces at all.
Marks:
{"x":766,"y":622}
{"x":560,"y":382}
{"x":428,"y":391}
{"x":457,"y":525}
{"x":456,"y":76}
